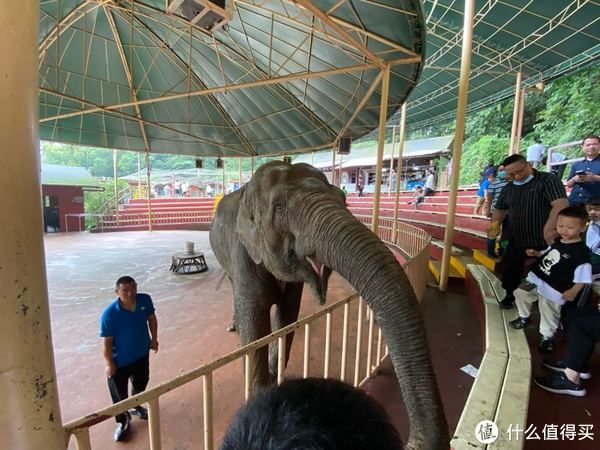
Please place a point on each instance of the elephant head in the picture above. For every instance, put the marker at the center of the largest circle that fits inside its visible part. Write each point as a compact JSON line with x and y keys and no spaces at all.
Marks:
{"x":296,"y":224}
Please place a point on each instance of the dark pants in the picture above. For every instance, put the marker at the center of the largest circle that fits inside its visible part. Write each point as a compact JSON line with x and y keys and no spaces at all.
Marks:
{"x":513,"y":267}
{"x":139,"y":373}
{"x":583,"y":333}
{"x":559,"y":170}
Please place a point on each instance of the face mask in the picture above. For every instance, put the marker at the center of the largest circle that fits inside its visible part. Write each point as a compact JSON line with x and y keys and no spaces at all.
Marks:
{"x":502,"y":174}
{"x":525,"y":181}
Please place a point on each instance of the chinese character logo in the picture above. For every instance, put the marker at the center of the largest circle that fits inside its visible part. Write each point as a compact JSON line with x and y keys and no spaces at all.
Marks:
{"x":486,"y":432}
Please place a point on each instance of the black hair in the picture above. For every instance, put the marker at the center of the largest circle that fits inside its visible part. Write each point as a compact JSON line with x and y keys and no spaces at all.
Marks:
{"x":590,"y":136}
{"x":593,"y":202}
{"x":312,"y":414}
{"x":513,"y":159}
{"x":576,"y":211}
{"x":125,"y":280}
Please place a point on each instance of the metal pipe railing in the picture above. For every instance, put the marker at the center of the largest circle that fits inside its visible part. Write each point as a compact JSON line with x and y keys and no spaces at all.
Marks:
{"x":411,"y":240}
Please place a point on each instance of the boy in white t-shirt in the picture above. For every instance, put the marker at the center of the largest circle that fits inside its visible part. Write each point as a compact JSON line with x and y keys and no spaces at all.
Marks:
{"x":561,"y":272}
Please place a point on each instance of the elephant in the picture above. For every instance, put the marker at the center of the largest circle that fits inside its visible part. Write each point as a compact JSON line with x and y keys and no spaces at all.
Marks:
{"x":289,"y":226}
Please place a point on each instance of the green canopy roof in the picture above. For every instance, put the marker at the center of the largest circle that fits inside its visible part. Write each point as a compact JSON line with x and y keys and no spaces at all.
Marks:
{"x":541,"y":38}
{"x":279,"y":77}
{"x":286,"y":76}
{"x":55,"y":174}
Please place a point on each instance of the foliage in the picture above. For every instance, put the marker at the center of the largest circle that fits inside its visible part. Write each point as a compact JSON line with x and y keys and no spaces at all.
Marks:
{"x":476,"y":154}
{"x":571,"y":111}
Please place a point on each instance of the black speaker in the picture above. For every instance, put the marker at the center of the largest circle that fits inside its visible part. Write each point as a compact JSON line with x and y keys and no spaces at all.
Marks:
{"x":344,"y":147}
{"x":219,"y":163}
{"x":198,"y":163}
{"x":287,"y":159}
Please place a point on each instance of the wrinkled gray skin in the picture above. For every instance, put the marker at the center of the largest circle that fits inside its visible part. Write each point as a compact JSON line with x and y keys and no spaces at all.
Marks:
{"x":289,"y":226}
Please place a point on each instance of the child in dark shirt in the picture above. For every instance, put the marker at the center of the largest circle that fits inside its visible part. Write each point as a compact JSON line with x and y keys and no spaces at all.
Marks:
{"x":560,"y":273}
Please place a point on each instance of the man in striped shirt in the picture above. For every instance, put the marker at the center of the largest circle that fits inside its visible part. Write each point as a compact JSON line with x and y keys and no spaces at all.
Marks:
{"x":532,"y":200}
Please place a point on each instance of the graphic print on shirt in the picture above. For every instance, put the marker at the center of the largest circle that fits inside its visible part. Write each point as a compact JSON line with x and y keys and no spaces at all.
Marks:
{"x":550,"y":260}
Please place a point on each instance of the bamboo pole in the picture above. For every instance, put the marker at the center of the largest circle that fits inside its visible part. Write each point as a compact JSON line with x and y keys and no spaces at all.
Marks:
{"x":327,"y":346}
{"x":380,"y":146}
{"x":154,"y":424}
{"x":248,"y":375}
{"x":306,"y":366}
{"x":392,"y":161}
{"x":208,"y":411}
{"x":281,"y":359}
{"x":344,"y":343}
{"x":358,"y":339}
{"x":148,"y":193}
{"x":399,"y":171}
{"x":463,"y":90}
{"x":515,"y":119}
{"x":252,"y":166}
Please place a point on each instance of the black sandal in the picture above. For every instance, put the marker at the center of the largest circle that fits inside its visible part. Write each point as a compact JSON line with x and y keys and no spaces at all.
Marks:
{"x":520,"y":323}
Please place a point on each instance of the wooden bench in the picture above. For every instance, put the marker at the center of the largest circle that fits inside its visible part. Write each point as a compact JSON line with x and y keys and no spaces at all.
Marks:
{"x":500,"y":392}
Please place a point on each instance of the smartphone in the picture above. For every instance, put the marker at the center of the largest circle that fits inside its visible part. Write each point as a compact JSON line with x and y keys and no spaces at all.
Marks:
{"x":581,"y":172}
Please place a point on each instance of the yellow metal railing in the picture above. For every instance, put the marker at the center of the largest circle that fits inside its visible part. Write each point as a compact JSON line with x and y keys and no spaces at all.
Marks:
{"x":368,"y":355}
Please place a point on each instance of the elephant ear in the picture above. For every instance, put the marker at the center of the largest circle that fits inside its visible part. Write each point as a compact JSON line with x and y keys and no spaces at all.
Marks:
{"x":246,"y":226}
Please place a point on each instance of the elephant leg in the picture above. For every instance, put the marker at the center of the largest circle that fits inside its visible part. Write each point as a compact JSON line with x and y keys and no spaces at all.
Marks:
{"x":255,"y":325}
{"x":286,"y":312}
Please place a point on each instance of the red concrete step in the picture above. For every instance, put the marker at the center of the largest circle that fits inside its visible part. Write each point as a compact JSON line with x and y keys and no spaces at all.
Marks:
{"x":168,"y":208}
{"x":176,"y":200}
{"x":479,"y":223}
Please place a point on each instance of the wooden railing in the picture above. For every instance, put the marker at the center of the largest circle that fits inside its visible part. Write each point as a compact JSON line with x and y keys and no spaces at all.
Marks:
{"x":368,"y":354}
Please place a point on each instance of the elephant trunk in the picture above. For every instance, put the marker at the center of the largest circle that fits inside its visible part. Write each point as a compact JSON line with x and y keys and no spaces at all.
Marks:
{"x":352,"y":250}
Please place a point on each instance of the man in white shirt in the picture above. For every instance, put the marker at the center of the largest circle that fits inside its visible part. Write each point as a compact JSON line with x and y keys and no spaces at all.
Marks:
{"x":534,"y":153}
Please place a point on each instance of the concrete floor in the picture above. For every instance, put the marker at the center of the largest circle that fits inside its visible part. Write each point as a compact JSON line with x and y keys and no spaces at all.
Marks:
{"x":193,"y":312}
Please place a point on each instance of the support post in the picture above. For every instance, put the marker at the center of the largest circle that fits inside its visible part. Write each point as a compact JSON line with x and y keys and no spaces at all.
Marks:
{"x":116,"y":185}
{"x":139,"y":174}
{"x":148,"y":193}
{"x":385,"y":83}
{"x":333,"y":165}
{"x":517,"y":148}
{"x":399,"y":171}
{"x":463,"y":90}
{"x":30,"y":416}
{"x":240,"y":183}
{"x":515,"y":119}
{"x":392,"y":161}
{"x":223,"y":174}
{"x":252,"y":166}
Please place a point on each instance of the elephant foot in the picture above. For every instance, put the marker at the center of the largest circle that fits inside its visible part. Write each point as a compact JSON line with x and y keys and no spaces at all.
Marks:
{"x":232,"y":327}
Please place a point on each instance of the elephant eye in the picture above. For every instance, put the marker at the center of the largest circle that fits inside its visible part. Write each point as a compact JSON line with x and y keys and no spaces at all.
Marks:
{"x":278,"y":207}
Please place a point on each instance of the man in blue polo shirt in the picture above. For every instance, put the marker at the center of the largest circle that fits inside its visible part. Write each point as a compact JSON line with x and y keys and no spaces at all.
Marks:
{"x":124,"y":327}
{"x":584,"y":178}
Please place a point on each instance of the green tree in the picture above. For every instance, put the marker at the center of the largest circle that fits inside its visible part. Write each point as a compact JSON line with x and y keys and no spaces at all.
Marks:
{"x":571,"y":110}
{"x":477,"y":152}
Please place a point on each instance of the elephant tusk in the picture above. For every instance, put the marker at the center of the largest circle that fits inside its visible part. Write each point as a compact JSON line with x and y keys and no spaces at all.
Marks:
{"x":317,"y":267}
